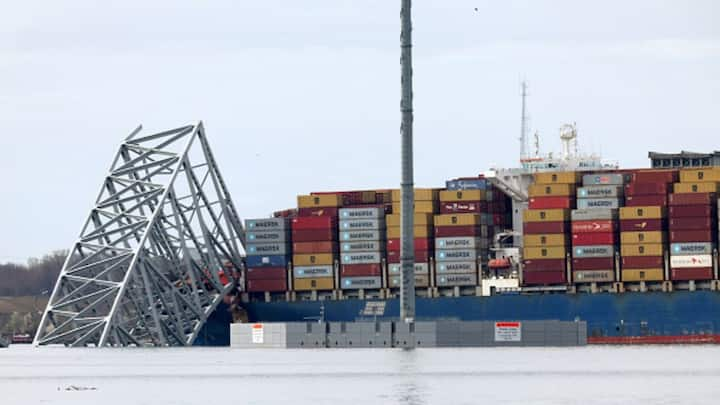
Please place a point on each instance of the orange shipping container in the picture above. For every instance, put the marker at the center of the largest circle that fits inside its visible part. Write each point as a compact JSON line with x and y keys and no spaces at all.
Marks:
{"x":642,"y":274}
{"x":308,"y":284}
{"x":708,"y":187}
{"x":321,"y":200}
{"x":457,"y":219}
{"x":314,"y":247}
{"x":557,"y":178}
{"x":313,"y":259}
{"x":552,"y":215}
{"x":462,"y":195}
{"x":559,"y":190}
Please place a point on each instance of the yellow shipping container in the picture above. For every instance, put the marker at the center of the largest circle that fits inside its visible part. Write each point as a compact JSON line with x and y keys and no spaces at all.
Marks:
{"x":642,"y":237}
{"x":384,"y":195}
{"x":644,"y":212}
{"x":553,"y":215}
{"x":462,"y":195}
{"x":550,"y":252}
{"x":319,"y":283}
{"x":418,"y":219}
{"x":557,"y":178}
{"x":421,"y":194}
{"x":551,"y":190}
{"x":700,"y":175}
{"x":642,"y":249}
{"x":321,"y":200}
{"x":418,"y":206}
{"x":369,"y":197}
{"x":550,"y":239}
{"x":457,"y":219}
{"x":313,"y":259}
{"x":422,"y":231}
{"x":642,"y":274}
{"x":709,"y":187}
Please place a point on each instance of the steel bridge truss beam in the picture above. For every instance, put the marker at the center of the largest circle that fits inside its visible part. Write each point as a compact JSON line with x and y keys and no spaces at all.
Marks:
{"x":157,"y":253}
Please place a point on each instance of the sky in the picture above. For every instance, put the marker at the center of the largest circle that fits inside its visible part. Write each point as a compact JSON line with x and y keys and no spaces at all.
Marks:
{"x":301,"y":96}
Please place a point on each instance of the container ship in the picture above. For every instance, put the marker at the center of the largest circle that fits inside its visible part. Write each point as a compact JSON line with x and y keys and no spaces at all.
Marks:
{"x":633,"y":252}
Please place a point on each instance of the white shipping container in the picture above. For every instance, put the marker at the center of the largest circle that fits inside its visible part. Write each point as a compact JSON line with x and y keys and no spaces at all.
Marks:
{"x":690,"y":261}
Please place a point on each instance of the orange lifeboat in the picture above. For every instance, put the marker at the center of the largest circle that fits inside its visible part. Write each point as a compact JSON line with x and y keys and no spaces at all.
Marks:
{"x":499,"y":263}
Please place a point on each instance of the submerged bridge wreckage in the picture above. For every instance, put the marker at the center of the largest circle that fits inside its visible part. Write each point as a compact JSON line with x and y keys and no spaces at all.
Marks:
{"x":157,"y":253}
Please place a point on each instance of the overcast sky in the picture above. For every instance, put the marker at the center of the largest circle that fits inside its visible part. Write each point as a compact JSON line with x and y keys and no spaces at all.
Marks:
{"x":301,"y":96}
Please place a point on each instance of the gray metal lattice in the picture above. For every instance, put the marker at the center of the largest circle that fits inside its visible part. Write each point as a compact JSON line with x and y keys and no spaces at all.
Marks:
{"x":158,"y":252}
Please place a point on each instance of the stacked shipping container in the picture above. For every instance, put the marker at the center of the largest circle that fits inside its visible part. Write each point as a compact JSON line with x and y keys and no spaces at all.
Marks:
{"x":425,"y":205}
{"x":362,"y":247}
{"x":314,"y":236}
{"x":643,"y":226}
{"x":456,"y":257}
{"x":545,"y":227}
{"x":268,"y":253}
{"x":594,"y":227}
{"x":692,"y":226}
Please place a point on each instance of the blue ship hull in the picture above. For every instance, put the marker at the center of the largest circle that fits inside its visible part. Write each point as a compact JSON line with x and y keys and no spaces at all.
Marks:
{"x":681,"y":313}
{"x":651,"y":317}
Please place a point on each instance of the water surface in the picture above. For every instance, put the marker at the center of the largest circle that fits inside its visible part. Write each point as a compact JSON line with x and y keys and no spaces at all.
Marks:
{"x":587,"y":375}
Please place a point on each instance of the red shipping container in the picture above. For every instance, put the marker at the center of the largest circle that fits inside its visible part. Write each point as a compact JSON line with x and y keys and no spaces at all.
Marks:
{"x":645,"y":200}
{"x":590,"y":238}
{"x":551,"y":202}
{"x":692,"y":199}
{"x":421,"y":256}
{"x":532,"y":265}
{"x":318,"y":212}
{"x":314,"y":235}
{"x":636,"y":189}
{"x":599,"y":226}
{"x":317,"y":222}
{"x":266,"y":285}
{"x":315,"y":247}
{"x":545,"y":227}
{"x":457,"y":231}
{"x":593,"y":263}
{"x":544,"y":277}
{"x":418,"y":243}
{"x":654,"y":176}
{"x":701,"y":273}
{"x":691,"y":236}
{"x":641,"y":262}
{"x":460,"y":207}
{"x":691,"y":224}
{"x":266,"y":273}
{"x":636,"y":225}
{"x":291,"y":212}
{"x":689,"y":211}
{"x":361,"y":270}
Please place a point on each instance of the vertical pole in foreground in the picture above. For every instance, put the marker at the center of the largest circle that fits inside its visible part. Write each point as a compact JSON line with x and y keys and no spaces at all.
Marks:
{"x":407,"y":253}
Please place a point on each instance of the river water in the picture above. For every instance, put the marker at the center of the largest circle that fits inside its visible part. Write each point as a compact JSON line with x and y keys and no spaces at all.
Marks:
{"x":586,"y":375}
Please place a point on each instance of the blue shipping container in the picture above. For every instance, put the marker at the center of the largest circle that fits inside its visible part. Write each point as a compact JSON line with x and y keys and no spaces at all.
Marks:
{"x":466,"y":184}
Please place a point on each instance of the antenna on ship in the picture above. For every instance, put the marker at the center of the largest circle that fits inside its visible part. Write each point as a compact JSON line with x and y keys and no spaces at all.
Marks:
{"x":523,"y":124}
{"x":407,"y":253}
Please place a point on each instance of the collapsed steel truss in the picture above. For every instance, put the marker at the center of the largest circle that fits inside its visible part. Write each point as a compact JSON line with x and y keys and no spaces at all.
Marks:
{"x":158,"y":252}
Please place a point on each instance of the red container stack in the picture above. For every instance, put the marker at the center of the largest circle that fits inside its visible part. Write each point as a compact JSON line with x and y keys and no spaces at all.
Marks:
{"x":545,"y":225}
{"x":693,"y":233}
{"x":314,"y":236}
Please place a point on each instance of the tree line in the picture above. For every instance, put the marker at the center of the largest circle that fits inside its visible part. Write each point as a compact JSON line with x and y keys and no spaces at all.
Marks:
{"x":33,"y":278}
